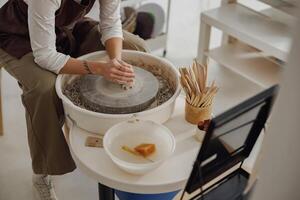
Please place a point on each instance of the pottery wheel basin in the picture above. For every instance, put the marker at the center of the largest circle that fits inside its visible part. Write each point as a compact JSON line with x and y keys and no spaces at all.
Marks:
{"x":113,"y":104}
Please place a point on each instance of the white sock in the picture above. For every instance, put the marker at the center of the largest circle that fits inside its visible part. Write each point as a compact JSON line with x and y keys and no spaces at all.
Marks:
{"x":43,"y":187}
{"x":39,"y":177}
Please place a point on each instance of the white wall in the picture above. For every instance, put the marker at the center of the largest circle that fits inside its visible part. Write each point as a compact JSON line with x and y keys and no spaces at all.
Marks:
{"x":280,"y":173}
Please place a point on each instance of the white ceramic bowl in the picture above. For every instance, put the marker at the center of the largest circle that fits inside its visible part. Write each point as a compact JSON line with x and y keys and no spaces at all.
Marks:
{"x":135,"y":132}
{"x":99,"y":123}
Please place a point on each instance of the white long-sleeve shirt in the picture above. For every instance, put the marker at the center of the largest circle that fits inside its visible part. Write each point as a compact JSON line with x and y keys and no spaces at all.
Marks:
{"x":41,"y":22}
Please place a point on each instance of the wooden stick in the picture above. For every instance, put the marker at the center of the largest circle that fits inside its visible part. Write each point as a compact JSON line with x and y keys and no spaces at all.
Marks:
{"x":198,"y":77}
{"x":205,"y":73}
{"x":194,"y":81}
{"x":193,"y":98}
{"x":185,"y":89}
{"x":208,"y":101}
{"x":211,"y":96}
{"x":196,"y":100}
{"x":187,"y":85}
{"x":203,"y":99}
{"x":200,"y":101}
{"x":202,"y":79}
{"x":206,"y":97}
{"x":190,"y":83}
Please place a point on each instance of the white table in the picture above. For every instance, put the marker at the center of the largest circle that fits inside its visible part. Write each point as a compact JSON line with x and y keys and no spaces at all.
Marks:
{"x":173,"y":174}
{"x":170,"y":176}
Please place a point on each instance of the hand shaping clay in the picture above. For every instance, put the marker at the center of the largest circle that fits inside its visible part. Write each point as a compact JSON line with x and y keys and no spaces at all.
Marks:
{"x":109,"y":97}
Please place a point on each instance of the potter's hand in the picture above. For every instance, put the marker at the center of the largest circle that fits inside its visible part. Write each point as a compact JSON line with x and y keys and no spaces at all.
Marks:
{"x":118,"y":71}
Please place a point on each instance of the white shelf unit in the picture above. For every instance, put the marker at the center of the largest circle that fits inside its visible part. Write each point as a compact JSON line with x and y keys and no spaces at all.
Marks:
{"x":159,"y":42}
{"x":251,"y":27}
{"x":259,"y":40}
{"x":255,"y":45}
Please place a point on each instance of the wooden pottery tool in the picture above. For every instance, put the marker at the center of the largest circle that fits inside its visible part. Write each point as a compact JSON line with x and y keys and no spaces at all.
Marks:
{"x":199,"y":96}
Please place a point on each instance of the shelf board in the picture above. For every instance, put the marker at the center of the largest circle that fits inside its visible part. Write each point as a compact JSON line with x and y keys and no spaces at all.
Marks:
{"x":288,"y":7}
{"x":280,"y":16}
{"x":234,"y":88}
{"x":248,"y":62}
{"x":254,"y":28}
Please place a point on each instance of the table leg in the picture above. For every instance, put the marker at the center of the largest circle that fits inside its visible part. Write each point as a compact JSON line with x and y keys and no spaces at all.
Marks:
{"x":105,"y":193}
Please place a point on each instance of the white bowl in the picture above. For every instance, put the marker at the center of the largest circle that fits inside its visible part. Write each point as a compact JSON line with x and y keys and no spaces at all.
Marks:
{"x":99,"y":123}
{"x":132,"y":133}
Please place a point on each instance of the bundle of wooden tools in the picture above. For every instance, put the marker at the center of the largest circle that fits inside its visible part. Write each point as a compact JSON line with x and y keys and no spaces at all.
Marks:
{"x":199,"y":96}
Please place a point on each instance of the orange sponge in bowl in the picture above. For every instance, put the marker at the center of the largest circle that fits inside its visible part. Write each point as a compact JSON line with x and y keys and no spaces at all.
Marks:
{"x":145,"y":149}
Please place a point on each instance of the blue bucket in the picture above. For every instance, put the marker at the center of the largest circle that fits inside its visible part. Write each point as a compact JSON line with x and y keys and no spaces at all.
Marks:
{"x":133,"y":196}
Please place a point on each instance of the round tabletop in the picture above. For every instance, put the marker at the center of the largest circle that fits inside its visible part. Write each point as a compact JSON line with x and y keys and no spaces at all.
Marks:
{"x":173,"y":174}
{"x":170,"y":176}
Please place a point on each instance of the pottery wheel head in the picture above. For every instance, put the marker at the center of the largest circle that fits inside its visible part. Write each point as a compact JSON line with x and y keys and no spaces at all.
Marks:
{"x":109,"y":97}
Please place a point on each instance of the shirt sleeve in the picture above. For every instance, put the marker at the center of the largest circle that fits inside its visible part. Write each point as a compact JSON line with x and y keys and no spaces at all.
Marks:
{"x":41,"y":23}
{"x":110,"y":19}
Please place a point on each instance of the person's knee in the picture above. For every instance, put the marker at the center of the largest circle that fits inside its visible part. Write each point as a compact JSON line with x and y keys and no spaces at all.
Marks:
{"x":134,"y":42}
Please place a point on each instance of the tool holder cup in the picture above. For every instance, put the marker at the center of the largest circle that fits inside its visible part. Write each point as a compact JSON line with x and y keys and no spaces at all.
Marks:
{"x":197,"y":115}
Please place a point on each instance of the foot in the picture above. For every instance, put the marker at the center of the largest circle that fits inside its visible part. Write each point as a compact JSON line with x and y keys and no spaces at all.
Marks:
{"x":43,"y":188}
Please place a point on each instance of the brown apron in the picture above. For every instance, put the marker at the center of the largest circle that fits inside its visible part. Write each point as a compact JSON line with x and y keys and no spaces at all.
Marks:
{"x":70,"y":26}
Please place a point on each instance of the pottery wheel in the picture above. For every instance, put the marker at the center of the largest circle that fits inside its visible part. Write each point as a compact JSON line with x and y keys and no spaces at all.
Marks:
{"x":109,"y":97}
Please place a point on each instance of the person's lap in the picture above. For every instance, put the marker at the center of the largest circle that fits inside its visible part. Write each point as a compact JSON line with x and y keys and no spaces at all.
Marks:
{"x":44,"y":116}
